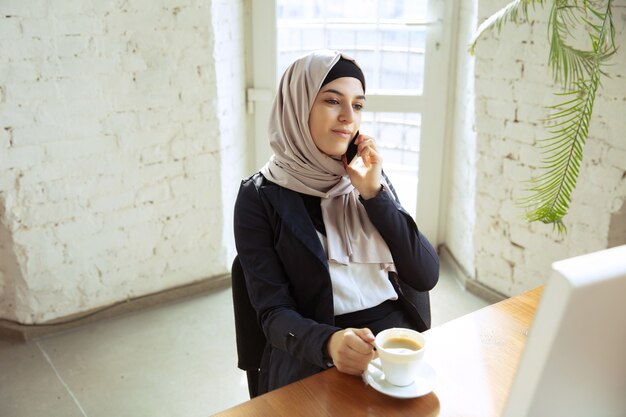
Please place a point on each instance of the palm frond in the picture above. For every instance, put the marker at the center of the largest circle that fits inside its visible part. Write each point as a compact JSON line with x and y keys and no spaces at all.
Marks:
{"x":563,"y":151}
{"x":579,"y":72}
{"x":569,"y":64}
{"x":552,"y":190}
{"x":512,"y":12}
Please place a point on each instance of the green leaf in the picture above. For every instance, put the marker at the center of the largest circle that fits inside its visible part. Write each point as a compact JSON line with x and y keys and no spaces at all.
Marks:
{"x":578,"y":71}
{"x":552,"y":190}
{"x":509,"y":13}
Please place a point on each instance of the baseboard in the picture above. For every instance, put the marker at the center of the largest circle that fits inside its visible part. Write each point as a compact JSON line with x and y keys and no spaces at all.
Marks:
{"x":470,"y":284}
{"x":10,"y":330}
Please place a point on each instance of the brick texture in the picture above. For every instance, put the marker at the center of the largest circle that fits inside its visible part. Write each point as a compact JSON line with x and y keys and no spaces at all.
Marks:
{"x":120,"y":137}
{"x":512,"y":87}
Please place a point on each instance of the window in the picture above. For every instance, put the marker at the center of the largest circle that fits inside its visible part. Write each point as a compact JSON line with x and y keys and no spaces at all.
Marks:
{"x":398,"y":45}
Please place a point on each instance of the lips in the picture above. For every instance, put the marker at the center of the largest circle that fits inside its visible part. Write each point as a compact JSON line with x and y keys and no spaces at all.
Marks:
{"x":343,"y":132}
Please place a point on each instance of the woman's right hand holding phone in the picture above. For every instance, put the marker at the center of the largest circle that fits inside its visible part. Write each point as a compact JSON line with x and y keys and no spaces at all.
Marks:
{"x":365,"y":172}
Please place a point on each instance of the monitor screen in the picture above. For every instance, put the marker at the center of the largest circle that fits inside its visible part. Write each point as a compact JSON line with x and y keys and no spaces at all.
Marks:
{"x":574,"y":362}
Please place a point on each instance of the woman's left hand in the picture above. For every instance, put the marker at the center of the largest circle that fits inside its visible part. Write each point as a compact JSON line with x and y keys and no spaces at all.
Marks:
{"x":365,"y":172}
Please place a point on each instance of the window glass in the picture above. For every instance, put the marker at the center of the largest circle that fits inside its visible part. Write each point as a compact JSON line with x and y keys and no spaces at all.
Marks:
{"x":387,"y":39}
{"x":384,"y":36}
{"x":398,"y":138}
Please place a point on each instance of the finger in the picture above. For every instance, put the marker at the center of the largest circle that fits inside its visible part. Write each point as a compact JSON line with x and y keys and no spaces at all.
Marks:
{"x":370,"y":156}
{"x":365,"y":146}
{"x":355,"y":361}
{"x":355,"y":168}
{"x":354,"y":366}
{"x":351,"y":167}
{"x":366,"y":140}
{"x":365,"y":334}
{"x":356,"y":343}
{"x":366,"y":143}
{"x":352,"y":371}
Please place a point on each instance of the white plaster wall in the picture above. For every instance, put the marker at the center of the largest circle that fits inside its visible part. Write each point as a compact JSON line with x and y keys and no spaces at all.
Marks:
{"x":116,"y":139}
{"x":461,"y":201}
{"x":229,"y":60}
{"x":512,"y":86}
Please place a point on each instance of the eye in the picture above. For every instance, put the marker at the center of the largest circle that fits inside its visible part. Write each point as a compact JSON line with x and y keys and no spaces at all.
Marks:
{"x":358,"y":106}
{"x":331,"y":101}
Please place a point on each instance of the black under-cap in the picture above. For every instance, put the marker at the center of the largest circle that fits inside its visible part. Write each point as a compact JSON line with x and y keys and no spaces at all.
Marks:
{"x":344,"y":68}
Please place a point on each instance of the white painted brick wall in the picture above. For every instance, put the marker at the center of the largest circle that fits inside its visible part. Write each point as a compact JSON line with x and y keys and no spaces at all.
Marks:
{"x":461,"y":208}
{"x":232,"y":117}
{"x":512,"y":88}
{"x":120,"y":147}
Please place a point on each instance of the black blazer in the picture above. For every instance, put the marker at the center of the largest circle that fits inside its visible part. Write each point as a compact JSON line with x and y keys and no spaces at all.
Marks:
{"x":288,"y":280}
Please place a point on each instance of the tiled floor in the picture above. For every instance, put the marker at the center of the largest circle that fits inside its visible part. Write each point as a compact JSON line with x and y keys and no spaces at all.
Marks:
{"x":175,"y":360}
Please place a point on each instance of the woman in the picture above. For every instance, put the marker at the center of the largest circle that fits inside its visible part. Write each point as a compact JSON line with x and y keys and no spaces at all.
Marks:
{"x":329,"y":255}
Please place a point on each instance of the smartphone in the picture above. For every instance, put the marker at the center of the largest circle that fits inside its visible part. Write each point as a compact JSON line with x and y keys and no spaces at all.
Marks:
{"x":352,"y":149}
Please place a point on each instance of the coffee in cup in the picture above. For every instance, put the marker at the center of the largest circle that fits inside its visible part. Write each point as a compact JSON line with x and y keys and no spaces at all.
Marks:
{"x":400,"y":352}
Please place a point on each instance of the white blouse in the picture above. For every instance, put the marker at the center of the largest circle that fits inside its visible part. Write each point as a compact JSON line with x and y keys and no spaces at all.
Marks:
{"x":358,"y":286}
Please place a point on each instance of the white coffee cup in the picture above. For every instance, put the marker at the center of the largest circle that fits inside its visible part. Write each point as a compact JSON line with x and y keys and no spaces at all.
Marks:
{"x":400,"y":352}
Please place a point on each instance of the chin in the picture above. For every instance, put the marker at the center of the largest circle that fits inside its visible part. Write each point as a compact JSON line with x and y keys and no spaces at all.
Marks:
{"x":335,"y":153}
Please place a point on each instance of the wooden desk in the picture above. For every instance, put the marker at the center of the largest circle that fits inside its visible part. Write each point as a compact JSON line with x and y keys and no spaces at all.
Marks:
{"x":475,"y":357}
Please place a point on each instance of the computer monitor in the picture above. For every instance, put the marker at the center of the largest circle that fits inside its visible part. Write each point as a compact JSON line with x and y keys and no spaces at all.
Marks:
{"x":574,"y":362}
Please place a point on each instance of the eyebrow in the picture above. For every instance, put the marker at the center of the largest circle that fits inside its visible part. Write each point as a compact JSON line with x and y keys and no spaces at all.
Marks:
{"x":332,"y":90}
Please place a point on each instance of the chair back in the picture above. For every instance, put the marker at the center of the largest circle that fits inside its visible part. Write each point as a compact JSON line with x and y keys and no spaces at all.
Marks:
{"x":250,"y":337}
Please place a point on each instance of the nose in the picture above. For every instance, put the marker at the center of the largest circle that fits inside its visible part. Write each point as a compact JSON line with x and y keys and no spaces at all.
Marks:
{"x":347,"y":114}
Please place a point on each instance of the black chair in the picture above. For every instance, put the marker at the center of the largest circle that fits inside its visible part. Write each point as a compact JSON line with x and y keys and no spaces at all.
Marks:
{"x":250,"y":337}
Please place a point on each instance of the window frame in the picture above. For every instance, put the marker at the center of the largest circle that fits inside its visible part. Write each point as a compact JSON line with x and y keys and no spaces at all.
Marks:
{"x":432,"y":103}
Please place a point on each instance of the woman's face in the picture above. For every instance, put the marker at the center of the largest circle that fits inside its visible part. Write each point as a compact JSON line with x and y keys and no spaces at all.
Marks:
{"x":336,"y":115}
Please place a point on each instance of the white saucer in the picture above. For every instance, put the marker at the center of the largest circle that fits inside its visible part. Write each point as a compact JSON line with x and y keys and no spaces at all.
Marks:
{"x":424,"y":381}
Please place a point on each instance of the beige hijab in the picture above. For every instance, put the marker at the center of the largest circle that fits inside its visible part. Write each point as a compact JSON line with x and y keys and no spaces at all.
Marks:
{"x":298,"y":165}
